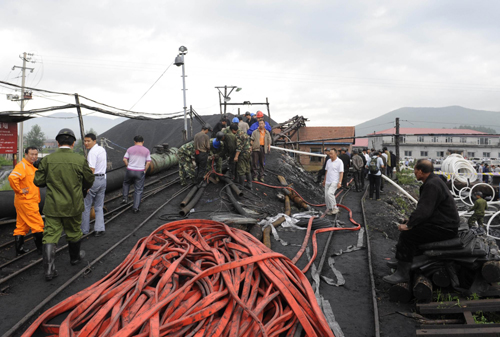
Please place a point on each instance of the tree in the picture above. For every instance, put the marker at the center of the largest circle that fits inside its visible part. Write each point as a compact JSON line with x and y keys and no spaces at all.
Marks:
{"x":35,"y":137}
{"x":477,"y":128}
{"x":78,"y":144}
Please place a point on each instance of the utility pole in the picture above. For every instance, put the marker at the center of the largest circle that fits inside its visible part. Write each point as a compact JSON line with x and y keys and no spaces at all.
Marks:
{"x":397,"y":144}
{"x":179,"y":61}
{"x":26,"y":58}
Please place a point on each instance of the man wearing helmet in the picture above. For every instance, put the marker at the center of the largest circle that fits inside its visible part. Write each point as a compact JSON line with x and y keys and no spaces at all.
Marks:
{"x":255,"y":126}
{"x":65,"y":174}
{"x":217,"y":151}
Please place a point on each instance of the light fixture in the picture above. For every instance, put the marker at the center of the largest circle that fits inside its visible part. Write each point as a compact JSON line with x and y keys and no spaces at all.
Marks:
{"x":183,"y":50}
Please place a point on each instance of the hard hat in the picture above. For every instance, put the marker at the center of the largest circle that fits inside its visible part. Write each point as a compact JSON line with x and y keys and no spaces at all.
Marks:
{"x":479,"y":194}
{"x":66,"y":132}
{"x":260,"y":114}
{"x":219,"y":135}
{"x":252,"y":114}
{"x":354,"y":151}
{"x":216,"y":143}
{"x":235,"y":120}
{"x":248,"y":113}
{"x":207,"y":126}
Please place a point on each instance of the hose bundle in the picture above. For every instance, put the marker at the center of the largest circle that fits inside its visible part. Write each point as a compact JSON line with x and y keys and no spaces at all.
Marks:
{"x":194,"y":278}
{"x":459,"y":168}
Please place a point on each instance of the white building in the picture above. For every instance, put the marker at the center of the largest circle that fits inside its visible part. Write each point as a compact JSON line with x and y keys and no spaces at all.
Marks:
{"x":438,"y":143}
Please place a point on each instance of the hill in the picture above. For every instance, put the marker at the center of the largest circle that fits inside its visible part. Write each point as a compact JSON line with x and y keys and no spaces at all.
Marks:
{"x":445,"y":117}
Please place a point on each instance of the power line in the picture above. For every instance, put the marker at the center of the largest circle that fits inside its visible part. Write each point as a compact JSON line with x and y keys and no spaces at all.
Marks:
{"x":151,"y":86}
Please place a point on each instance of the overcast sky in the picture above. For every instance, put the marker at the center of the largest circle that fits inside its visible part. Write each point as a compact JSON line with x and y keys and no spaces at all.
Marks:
{"x":335,"y":62}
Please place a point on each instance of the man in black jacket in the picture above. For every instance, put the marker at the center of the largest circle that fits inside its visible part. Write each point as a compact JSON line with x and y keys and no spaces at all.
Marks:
{"x":435,"y":219}
{"x":346,"y":159}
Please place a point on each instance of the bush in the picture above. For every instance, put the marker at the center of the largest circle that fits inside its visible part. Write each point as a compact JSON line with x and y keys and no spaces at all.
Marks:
{"x":5,"y":162}
{"x":405,"y":177}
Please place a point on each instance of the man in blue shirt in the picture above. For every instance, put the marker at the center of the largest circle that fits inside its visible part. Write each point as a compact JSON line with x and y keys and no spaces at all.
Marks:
{"x":255,"y":126}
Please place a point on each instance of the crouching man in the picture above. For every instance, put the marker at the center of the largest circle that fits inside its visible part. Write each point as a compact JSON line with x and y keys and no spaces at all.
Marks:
{"x":435,"y":219}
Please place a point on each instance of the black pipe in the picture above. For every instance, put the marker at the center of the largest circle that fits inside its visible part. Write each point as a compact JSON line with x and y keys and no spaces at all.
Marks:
{"x":193,"y":202}
{"x":235,"y":203}
{"x":189,"y":196}
{"x":233,"y":186}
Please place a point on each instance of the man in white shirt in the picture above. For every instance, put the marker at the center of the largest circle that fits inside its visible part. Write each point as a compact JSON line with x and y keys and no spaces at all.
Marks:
{"x":97,"y":160}
{"x":333,"y":180}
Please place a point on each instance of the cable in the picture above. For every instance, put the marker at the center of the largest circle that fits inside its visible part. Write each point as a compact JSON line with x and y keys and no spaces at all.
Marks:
{"x":152,"y":86}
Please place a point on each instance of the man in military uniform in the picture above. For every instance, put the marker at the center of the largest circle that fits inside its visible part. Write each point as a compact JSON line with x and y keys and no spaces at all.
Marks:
{"x":187,"y":169}
{"x":230,"y":151}
{"x":26,"y":201}
{"x":242,"y":156}
{"x":65,"y":174}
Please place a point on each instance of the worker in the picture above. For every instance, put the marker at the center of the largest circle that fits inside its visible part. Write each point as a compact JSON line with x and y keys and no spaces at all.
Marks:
{"x":358,"y":164}
{"x":261,"y":145}
{"x":222,"y":124}
{"x":321,"y":172}
{"x":137,"y":160}
{"x":479,"y":207}
{"x":346,"y":160}
{"x":255,"y":126}
{"x":97,"y":160}
{"x":242,"y":125}
{"x":242,"y":156}
{"x":187,"y":164}
{"x":65,"y":174}
{"x":201,"y":149}
{"x":230,"y":152}
{"x":26,"y":200}
{"x":435,"y":219}
{"x":217,"y":152}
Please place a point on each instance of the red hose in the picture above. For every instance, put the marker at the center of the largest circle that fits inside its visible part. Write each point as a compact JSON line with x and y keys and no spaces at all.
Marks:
{"x":193,"y":278}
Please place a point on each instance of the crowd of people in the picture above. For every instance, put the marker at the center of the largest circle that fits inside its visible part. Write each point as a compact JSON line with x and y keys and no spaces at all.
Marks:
{"x":74,"y":185}
{"x":244,"y":142}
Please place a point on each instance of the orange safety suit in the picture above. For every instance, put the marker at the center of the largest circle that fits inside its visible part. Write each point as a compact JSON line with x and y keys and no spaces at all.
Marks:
{"x":28,"y":213}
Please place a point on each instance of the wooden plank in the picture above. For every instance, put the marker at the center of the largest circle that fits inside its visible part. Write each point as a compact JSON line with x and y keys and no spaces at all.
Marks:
{"x":458,"y":307}
{"x":483,"y":331}
{"x":468,"y":317}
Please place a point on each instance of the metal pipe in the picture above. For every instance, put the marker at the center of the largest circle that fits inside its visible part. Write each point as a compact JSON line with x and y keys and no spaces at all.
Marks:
{"x":400,"y":188}
{"x":189,"y":196}
{"x":299,"y":152}
{"x":235,"y":203}
{"x":288,"y":209}
{"x":193,"y":202}
{"x":232,"y":185}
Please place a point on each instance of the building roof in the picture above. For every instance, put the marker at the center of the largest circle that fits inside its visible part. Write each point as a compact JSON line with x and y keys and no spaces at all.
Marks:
{"x":426,"y":131}
{"x":326,"y":132}
{"x":361,"y":142}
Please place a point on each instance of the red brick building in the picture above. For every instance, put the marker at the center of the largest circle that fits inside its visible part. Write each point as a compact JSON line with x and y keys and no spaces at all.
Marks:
{"x":312,"y":138}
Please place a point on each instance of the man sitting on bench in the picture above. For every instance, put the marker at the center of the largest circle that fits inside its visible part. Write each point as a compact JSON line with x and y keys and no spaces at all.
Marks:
{"x":435,"y":219}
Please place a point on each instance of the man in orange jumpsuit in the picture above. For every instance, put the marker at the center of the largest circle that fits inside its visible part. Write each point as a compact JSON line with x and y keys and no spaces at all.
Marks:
{"x":26,"y":201}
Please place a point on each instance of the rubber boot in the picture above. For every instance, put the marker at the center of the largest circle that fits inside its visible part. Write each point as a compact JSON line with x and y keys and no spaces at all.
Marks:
{"x":75,"y":254}
{"x":249,"y":181}
{"x":401,"y":275}
{"x":38,"y":242}
{"x":49,"y":265}
{"x":19,"y":244}
{"x":241,"y":180}
{"x":393,"y":264}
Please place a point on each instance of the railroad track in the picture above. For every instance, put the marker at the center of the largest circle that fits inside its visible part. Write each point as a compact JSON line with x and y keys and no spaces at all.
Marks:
{"x":85,"y":269}
{"x":110,"y":215}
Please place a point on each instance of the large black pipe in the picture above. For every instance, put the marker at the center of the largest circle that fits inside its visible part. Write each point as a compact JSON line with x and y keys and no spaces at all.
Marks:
{"x":189,"y":196}
{"x":235,"y":203}
{"x":193,"y":202}
{"x":232,"y":185}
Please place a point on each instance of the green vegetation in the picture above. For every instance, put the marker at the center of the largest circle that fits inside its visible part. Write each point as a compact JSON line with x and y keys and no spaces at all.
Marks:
{"x":477,"y":128}
{"x":5,"y":186}
{"x":35,"y":137}
{"x":402,"y":205}
{"x":5,"y":162}
{"x":405,"y":178}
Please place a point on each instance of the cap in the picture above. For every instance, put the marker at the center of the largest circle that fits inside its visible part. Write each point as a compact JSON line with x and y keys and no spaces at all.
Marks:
{"x":247,"y":113}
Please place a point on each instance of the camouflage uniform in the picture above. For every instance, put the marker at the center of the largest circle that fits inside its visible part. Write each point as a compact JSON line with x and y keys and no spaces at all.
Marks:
{"x":217,"y":154}
{"x":243,"y":146}
{"x":187,"y":170}
{"x":230,"y":149}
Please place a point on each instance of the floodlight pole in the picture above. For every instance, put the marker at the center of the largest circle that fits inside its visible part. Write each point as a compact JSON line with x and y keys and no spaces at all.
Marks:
{"x":185,"y":106}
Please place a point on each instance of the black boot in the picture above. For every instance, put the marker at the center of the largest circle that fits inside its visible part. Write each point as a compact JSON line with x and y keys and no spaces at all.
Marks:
{"x":393,"y":264}
{"x":19,"y":243}
{"x":241,"y":180}
{"x":38,"y":241}
{"x":75,"y":254}
{"x":49,"y":265}
{"x":249,"y":181}
{"x":401,"y":275}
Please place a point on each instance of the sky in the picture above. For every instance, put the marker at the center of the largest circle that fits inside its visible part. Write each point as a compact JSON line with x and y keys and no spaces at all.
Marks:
{"x":338,"y":63}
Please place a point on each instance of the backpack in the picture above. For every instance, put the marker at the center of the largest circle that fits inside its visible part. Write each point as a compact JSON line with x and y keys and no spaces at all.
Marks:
{"x":373,"y":166}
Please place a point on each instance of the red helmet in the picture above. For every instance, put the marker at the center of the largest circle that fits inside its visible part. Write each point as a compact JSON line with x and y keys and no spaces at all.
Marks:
{"x":260,"y":114}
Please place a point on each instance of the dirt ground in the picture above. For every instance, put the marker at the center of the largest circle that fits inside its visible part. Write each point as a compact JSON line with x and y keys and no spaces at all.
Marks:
{"x":351,"y":303}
